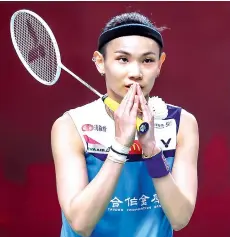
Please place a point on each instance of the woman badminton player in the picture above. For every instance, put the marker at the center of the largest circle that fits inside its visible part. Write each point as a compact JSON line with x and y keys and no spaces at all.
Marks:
{"x":112,"y":180}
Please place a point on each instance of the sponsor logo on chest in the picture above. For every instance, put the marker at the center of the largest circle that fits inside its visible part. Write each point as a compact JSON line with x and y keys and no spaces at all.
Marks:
{"x":99,"y":137}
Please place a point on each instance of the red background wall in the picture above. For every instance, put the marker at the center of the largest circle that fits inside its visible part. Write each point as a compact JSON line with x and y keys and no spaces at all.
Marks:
{"x":195,"y":76}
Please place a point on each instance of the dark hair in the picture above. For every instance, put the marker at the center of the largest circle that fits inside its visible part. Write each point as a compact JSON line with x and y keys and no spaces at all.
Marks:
{"x":129,"y":18}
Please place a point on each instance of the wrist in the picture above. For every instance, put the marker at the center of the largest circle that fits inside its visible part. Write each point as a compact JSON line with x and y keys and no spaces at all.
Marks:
{"x":122,"y":142}
{"x":120,"y":147}
{"x":157,"y":166}
{"x":150,"y":150}
{"x":118,"y":153}
{"x":116,"y":158}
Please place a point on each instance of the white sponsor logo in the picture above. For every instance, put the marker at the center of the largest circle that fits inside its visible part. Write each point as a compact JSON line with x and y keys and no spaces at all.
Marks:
{"x":134,"y":204}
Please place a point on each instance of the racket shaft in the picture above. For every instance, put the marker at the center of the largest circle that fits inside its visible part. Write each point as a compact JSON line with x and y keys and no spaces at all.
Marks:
{"x":80,"y":80}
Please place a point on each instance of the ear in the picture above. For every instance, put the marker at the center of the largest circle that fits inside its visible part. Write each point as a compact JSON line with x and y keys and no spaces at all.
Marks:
{"x":98,"y":59}
{"x":161,"y":61}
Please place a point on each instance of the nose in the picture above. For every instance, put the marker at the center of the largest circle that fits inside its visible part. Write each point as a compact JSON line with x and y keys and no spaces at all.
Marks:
{"x":135,"y":71}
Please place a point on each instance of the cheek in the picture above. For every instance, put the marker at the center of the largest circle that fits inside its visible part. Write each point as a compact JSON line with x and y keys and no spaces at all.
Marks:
{"x":114,"y":70}
{"x":149,"y":85}
{"x":150,"y":77}
{"x":150,"y":72}
{"x":153,"y":68}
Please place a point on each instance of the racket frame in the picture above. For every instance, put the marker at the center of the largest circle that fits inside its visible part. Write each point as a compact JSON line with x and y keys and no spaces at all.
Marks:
{"x":53,"y":39}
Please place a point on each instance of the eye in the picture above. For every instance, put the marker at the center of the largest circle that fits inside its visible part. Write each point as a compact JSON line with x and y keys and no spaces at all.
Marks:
{"x":149,"y":60}
{"x":122,"y":59}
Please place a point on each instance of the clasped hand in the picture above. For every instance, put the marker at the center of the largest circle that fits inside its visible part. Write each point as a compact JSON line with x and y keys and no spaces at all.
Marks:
{"x":125,"y":121}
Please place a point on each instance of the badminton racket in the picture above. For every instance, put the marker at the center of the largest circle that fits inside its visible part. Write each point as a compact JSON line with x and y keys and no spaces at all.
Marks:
{"x":37,"y":48}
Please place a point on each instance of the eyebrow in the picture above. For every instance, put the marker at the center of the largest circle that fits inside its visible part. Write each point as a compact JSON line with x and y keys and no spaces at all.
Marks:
{"x":127,"y":53}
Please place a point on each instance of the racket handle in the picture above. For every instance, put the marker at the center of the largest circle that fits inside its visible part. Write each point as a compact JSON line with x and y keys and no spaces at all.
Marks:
{"x":142,"y":126}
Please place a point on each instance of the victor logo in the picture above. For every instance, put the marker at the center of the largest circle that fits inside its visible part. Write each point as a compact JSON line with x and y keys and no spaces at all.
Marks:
{"x":166,"y":144}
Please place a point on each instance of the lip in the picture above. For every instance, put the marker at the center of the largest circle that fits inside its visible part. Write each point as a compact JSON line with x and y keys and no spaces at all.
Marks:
{"x":128,"y":86}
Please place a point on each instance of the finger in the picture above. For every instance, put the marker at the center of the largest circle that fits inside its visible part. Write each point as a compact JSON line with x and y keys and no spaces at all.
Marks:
{"x":144,"y":105}
{"x":140,"y":93}
{"x":134,"y":109}
{"x":130,"y":99}
{"x":125,"y":99}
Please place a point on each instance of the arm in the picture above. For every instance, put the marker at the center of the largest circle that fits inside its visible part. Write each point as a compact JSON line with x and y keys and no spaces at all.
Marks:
{"x":84,"y":203}
{"x":177,"y":191}
{"x":76,"y":196}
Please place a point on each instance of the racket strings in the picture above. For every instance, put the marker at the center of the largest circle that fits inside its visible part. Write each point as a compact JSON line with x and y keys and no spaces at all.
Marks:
{"x":35,"y":46}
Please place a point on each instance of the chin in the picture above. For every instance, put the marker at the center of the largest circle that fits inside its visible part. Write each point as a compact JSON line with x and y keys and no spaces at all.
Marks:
{"x":117,"y":96}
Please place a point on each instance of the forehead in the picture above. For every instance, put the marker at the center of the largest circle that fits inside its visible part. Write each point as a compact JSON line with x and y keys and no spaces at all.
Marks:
{"x":133,"y":44}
